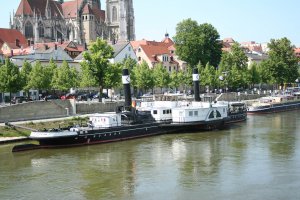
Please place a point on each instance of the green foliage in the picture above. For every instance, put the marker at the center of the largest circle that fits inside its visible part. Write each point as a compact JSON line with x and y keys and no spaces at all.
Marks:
{"x":235,"y":57}
{"x":113,"y":76}
{"x":144,"y":76}
{"x":97,"y":62}
{"x":177,"y":79}
{"x":25,"y":74}
{"x":197,"y":43}
{"x":208,"y":76}
{"x":10,"y":78}
{"x":161,"y":76}
{"x":282,"y":65}
{"x":65,"y":77}
{"x":40,"y":77}
{"x":254,"y":74}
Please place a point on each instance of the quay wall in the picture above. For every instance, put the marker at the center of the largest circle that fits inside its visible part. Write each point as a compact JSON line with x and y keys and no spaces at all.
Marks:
{"x":35,"y":110}
{"x":233,"y":96}
{"x":52,"y":109}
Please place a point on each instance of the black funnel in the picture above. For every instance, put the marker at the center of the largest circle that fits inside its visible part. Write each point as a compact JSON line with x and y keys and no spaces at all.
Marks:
{"x":196,"y":84}
{"x":126,"y":86}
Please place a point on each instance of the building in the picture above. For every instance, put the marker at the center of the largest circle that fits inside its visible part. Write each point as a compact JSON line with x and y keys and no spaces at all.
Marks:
{"x":12,"y":40}
{"x":81,"y":21}
{"x":252,"y":47}
{"x":163,"y":52}
{"x":122,"y":51}
{"x":254,"y":57}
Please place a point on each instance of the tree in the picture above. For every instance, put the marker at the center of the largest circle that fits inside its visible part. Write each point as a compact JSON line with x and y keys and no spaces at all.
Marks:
{"x":282,"y":64}
{"x":197,"y":43}
{"x":208,"y":76}
{"x":235,"y":57}
{"x":161,"y":76}
{"x":113,"y":76}
{"x":254,"y":75}
{"x":97,"y":62}
{"x":40,"y":77}
{"x":144,"y":77}
{"x":65,"y":77}
{"x":25,"y":74}
{"x":10,"y":78}
{"x":176,"y":79}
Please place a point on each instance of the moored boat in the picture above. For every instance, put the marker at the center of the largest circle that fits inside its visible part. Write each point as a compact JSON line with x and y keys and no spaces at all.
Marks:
{"x":271,"y":104}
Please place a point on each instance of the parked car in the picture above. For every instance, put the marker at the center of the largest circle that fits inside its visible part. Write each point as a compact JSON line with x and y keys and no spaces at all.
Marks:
{"x":20,"y":99}
{"x":104,"y":95}
{"x":51,"y":97}
{"x":68,"y":96}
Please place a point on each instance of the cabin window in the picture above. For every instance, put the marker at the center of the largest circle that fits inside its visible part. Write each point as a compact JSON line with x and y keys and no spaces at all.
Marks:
{"x":164,"y":112}
{"x":196,"y":113}
{"x":155,"y":112}
{"x":191,"y":113}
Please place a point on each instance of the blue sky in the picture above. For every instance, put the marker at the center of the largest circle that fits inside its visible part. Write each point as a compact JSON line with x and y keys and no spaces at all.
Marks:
{"x":256,"y":20}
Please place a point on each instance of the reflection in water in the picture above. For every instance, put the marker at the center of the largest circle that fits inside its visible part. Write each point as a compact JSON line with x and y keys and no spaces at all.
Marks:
{"x":253,"y":160}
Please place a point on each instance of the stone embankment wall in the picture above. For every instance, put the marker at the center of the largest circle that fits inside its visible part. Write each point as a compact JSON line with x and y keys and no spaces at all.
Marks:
{"x":36,"y":110}
{"x":96,"y":107}
{"x":242,"y":97}
{"x":53,"y":109}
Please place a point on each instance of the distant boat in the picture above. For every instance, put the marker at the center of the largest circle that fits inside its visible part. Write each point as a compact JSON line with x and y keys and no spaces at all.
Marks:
{"x":276,"y":103}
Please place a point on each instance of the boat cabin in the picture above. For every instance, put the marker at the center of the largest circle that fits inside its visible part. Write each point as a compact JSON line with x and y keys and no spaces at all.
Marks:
{"x":105,"y":120}
{"x":196,"y":113}
{"x":161,"y":113}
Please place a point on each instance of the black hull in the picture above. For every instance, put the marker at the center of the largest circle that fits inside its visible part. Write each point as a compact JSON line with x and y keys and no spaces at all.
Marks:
{"x":277,"y":108}
{"x":97,"y":136}
{"x":195,"y":126}
{"x":236,"y":118}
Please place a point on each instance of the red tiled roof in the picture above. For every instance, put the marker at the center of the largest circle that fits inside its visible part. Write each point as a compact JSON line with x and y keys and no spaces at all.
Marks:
{"x":297,"y":50}
{"x":28,"y":7}
{"x":9,"y":36}
{"x":152,"y":51}
{"x":70,"y":8}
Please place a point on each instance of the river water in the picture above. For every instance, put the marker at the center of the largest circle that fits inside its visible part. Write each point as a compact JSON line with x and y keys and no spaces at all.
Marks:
{"x":257,"y":159}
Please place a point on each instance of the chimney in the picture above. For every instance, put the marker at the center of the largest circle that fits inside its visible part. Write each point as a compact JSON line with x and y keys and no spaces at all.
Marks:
{"x":196,"y":84}
{"x":126,"y":86}
{"x":28,"y":43}
{"x":17,"y":43}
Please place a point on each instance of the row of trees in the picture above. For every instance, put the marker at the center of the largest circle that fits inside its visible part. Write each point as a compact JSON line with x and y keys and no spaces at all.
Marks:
{"x":199,"y":45}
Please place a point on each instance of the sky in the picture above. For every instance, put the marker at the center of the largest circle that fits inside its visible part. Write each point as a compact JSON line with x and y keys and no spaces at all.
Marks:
{"x":255,"y":20}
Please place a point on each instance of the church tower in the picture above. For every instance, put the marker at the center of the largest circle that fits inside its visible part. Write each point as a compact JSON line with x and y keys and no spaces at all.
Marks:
{"x":120,"y":20}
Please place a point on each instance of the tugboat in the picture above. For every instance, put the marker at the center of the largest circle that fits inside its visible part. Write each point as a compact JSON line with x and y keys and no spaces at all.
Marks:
{"x":127,"y":123}
{"x":198,"y":115}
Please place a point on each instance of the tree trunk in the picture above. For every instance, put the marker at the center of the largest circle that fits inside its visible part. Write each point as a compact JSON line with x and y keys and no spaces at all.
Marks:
{"x":100,"y":93}
{"x":9,"y":98}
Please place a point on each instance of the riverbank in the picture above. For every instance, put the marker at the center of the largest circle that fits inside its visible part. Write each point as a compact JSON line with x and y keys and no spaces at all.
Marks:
{"x":5,"y":140}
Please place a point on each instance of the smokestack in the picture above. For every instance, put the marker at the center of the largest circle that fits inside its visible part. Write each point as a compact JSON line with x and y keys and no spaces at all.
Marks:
{"x":196,"y":85}
{"x":126,"y":86}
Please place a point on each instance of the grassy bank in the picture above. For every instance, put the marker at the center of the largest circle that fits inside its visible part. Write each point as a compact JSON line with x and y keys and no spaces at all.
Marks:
{"x":16,"y":132}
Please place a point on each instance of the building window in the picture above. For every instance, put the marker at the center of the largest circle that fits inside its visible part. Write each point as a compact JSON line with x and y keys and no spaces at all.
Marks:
{"x":114,"y":14}
{"x":129,"y":48}
{"x":170,"y":69}
{"x":41,"y":30}
{"x":28,"y":30}
{"x":139,"y":58}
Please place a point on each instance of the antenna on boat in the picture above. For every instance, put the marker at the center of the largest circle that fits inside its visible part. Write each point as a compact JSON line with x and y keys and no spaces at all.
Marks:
{"x":196,"y":84}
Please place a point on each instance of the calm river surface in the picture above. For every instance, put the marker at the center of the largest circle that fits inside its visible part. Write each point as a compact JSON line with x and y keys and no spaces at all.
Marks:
{"x":257,"y":159}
